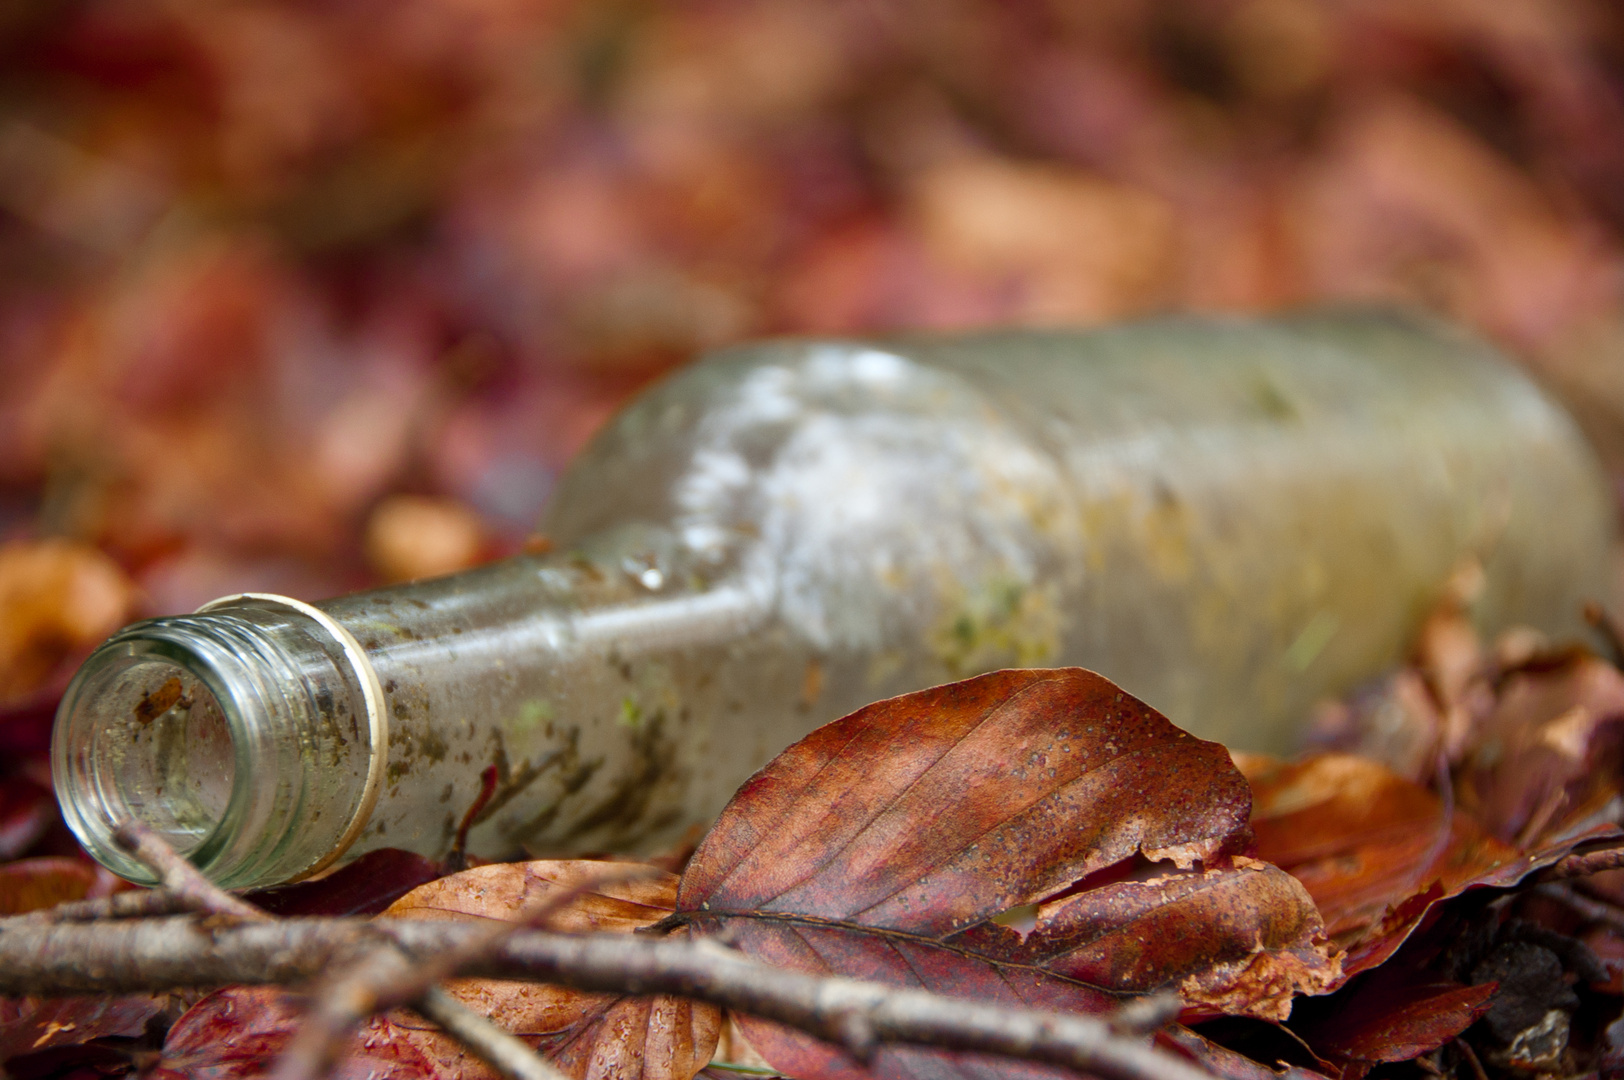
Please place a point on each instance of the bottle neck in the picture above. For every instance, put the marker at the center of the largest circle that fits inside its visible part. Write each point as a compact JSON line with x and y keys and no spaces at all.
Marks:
{"x":247,"y":734}
{"x":257,"y":734}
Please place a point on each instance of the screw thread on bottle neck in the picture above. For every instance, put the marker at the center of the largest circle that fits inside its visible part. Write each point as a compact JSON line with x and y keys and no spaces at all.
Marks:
{"x":250,"y":735}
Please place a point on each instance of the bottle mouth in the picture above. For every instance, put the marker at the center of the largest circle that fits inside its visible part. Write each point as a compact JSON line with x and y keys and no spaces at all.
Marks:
{"x":157,"y":747}
{"x":251,"y":736}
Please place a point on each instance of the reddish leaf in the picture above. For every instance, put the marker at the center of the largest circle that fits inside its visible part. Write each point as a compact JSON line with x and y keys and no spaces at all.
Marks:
{"x":1245,"y":937}
{"x":1546,"y":765}
{"x":237,"y":1032}
{"x":364,"y":887}
{"x":588,"y":1035}
{"x":883,"y":845}
{"x":1392,"y":1019}
{"x":1371,"y":848}
{"x":30,"y":884}
{"x":934,"y":811}
{"x":29,"y":1025}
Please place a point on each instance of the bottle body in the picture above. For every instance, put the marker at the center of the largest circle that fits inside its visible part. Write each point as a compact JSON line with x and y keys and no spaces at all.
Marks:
{"x":1231,"y":519}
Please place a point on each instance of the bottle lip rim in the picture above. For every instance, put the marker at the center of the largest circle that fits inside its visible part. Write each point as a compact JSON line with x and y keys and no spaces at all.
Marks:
{"x":250,"y":839}
{"x":374,"y":702}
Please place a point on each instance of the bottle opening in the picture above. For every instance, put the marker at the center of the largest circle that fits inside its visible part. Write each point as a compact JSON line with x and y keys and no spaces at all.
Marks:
{"x":154,"y":745}
{"x":251,"y":737}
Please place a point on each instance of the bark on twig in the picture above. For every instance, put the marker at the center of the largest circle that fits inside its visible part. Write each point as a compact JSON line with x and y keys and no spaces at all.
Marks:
{"x":508,"y":1054}
{"x":1584,"y":906}
{"x":161,"y":954}
{"x":315,"y":1050}
{"x":139,"y":904}
{"x":1584,"y":863}
{"x":179,"y":876}
{"x":388,"y":979}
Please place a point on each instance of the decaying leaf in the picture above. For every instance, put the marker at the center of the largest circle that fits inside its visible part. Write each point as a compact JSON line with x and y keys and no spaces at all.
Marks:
{"x":1363,"y":840}
{"x":885,"y":845}
{"x":56,"y":597}
{"x":588,"y":1035}
{"x":1392,"y":1019}
{"x":86,"y":1035}
{"x":31,"y":884}
{"x":1240,"y":939}
{"x":235,"y":1032}
{"x":1546,"y":764}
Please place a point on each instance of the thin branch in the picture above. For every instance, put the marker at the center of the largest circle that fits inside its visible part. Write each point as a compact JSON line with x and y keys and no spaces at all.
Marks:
{"x":161,"y":954}
{"x":389,"y":979}
{"x":1143,"y":1015}
{"x":1584,"y":906}
{"x":339,"y":1005}
{"x":1584,"y":863}
{"x":508,"y":1054}
{"x":179,"y":876}
{"x":135,"y":904}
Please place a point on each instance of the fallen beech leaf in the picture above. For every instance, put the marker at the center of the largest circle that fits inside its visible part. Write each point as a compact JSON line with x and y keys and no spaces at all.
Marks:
{"x":1375,"y":851}
{"x":235,"y":1032}
{"x":1547,"y":762}
{"x":1391,"y":1019}
{"x":587,"y":1035}
{"x":364,"y":887}
{"x":1245,"y":938}
{"x":884,"y":845}
{"x":31,"y":1025}
{"x":1363,"y":839}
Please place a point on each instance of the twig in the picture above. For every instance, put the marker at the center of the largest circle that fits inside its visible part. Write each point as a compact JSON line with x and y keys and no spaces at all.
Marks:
{"x":161,"y":954}
{"x":321,"y":1038}
{"x":432,"y":970}
{"x":136,"y":904}
{"x":387,"y":980}
{"x":1470,"y":1055}
{"x":1594,"y":910}
{"x":342,"y":1003}
{"x":1584,"y":863}
{"x":508,"y":1054}
{"x":1143,"y":1015}
{"x":179,"y":876}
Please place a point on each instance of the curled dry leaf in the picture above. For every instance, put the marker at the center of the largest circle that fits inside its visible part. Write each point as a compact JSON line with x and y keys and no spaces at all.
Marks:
{"x":1376,"y":851}
{"x":1545,"y":768}
{"x":885,"y":844}
{"x":587,"y":1035}
{"x":1247,"y":937}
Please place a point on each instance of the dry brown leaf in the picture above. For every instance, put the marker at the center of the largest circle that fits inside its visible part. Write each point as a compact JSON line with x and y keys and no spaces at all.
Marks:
{"x":902,"y":843}
{"x":591,"y":1036}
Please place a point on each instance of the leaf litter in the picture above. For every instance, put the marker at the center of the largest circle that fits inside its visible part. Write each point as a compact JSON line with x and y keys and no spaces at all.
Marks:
{"x":1041,"y":838}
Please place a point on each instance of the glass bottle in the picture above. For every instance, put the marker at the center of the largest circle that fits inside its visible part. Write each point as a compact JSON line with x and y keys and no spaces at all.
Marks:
{"x":1230,"y":518}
